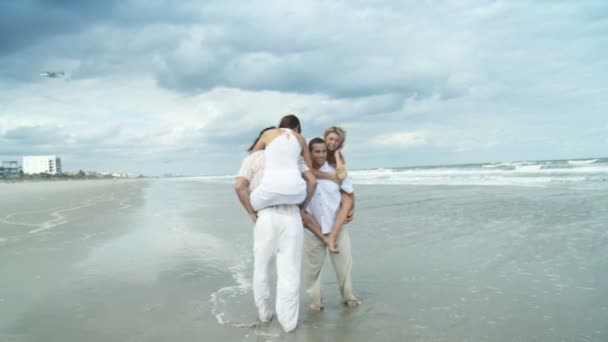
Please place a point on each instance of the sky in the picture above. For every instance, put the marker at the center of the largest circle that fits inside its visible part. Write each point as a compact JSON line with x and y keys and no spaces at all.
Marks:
{"x":158,"y":87}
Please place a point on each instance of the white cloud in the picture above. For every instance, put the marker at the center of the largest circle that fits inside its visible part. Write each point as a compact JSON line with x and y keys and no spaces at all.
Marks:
{"x":401,"y":139}
{"x":455,"y":81}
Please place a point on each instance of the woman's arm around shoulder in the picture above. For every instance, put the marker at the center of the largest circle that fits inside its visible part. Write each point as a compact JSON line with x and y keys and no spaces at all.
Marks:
{"x":341,"y":172}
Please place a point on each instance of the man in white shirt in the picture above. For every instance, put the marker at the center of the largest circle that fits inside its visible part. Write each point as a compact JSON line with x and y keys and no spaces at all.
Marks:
{"x":278,"y":232}
{"x":324,"y":208}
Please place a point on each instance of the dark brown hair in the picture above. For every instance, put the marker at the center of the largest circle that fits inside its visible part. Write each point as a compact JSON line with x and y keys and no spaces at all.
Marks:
{"x":291,"y":121}
{"x":315,"y":141}
{"x":258,"y":138}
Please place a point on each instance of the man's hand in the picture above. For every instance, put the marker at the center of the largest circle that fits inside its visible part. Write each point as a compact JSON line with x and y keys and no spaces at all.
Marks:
{"x":351,"y":215}
{"x":332,"y":244}
{"x":242,"y":192}
{"x":302,"y":212}
{"x":337,"y":153}
{"x":254,"y":216}
{"x":326,"y":240}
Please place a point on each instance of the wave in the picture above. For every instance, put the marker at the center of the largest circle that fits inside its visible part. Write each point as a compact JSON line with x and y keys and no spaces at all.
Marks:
{"x":519,"y":173}
{"x":528,"y":168}
{"x":522,"y":175}
{"x":226,"y":179}
{"x":508,"y":165}
{"x":582,"y":162}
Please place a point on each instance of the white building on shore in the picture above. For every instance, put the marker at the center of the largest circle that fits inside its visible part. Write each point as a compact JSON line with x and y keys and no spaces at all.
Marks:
{"x":41,"y":164}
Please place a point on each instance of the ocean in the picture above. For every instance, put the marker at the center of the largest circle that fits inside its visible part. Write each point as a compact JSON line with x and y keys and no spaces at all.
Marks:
{"x":512,"y":251}
{"x":524,"y":173}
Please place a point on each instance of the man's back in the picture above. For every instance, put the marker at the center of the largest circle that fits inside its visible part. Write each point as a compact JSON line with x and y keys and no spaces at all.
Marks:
{"x":252,"y":169}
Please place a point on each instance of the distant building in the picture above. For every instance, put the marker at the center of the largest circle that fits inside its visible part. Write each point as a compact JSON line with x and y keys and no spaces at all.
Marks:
{"x":9,"y":169}
{"x":41,"y":164}
{"x":124,"y":175}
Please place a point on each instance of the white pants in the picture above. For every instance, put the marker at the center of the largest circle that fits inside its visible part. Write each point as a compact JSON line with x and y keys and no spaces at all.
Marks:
{"x":261,"y":199}
{"x":278,"y":232}
{"x":314,"y":258}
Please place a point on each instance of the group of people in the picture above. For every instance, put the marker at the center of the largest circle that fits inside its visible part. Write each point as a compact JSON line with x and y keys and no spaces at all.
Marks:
{"x":286,"y":185}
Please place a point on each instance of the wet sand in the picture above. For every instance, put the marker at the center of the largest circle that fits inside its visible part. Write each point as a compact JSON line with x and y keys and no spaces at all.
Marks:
{"x":159,"y":260}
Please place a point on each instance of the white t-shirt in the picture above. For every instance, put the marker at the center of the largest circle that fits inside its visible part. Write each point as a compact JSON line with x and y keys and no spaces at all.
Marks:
{"x":326,"y":201}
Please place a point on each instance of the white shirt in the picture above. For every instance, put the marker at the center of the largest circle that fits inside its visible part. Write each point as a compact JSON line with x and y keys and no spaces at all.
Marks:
{"x":326,"y":201}
{"x":252,"y":168}
{"x":281,"y":165}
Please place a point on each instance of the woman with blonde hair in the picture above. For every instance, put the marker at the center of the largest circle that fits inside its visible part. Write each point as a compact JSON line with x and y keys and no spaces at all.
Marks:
{"x":334,"y":137}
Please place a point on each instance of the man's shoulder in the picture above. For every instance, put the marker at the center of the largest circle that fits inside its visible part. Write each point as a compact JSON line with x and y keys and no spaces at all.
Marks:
{"x":252,"y":163}
{"x":254,"y":157}
{"x":256,"y":154}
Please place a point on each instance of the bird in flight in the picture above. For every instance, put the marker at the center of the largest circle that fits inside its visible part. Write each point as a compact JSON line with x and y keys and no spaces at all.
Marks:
{"x":52,"y":74}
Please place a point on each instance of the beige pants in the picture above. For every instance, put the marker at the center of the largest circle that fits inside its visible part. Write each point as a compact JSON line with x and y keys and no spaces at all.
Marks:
{"x":312,"y":267}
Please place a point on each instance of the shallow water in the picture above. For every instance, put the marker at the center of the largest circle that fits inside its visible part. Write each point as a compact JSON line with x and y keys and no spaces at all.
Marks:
{"x":171,"y":259}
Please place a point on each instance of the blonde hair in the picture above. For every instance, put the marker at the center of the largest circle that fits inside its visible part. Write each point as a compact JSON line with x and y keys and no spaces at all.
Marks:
{"x":342,"y":133}
{"x":339,"y":131}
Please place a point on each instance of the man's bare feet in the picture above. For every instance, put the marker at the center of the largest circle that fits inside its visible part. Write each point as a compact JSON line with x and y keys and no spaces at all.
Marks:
{"x":352,"y":303}
{"x":265,"y":317}
{"x":316,"y":307}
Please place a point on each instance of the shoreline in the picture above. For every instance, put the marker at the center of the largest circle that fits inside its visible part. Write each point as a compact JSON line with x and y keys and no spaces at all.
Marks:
{"x":29,"y":181}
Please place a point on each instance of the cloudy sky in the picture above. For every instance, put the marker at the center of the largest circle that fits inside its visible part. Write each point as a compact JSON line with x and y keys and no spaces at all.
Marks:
{"x":183,"y":87}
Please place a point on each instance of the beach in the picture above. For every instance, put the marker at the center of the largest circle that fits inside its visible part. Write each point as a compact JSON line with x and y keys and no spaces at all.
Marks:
{"x":171,"y":259}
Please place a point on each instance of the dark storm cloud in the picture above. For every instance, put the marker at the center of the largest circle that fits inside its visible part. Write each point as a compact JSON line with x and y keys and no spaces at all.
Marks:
{"x":34,"y":135}
{"x":25,"y":23}
{"x":248,"y":46}
{"x":94,"y":34}
{"x":317,"y":73}
{"x":327,"y":51}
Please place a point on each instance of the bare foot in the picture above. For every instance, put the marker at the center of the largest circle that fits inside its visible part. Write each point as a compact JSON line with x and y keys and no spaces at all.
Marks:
{"x":316,"y":307}
{"x":352,"y":303}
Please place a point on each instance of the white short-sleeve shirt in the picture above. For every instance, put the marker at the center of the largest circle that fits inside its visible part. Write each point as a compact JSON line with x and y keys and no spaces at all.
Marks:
{"x":326,"y":201}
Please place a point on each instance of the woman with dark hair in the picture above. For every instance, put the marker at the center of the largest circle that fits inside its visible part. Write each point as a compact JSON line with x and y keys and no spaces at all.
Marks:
{"x":282,"y":182}
{"x":250,"y":149}
{"x":277,"y":236}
